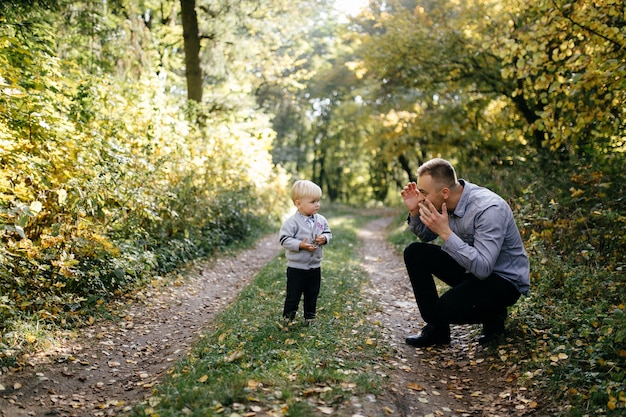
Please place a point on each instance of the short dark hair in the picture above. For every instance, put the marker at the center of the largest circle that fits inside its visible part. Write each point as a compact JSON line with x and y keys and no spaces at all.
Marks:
{"x":440,"y":170}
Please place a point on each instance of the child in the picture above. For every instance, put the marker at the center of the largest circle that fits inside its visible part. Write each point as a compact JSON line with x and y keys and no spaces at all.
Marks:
{"x":303,"y":235}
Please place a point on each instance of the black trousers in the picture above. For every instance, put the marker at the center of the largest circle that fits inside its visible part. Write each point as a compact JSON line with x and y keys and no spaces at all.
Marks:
{"x":469,"y":300}
{"x":302,"y":282}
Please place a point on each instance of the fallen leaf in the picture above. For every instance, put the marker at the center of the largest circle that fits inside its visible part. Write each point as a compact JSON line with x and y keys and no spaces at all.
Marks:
{"x":325,"y":410}
{"x":415,"y":386}
{"x":234,"y":356}
{"x":203,"y":378}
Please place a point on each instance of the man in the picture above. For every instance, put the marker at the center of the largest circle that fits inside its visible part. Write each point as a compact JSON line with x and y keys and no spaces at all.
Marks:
{"x":482,"y":258}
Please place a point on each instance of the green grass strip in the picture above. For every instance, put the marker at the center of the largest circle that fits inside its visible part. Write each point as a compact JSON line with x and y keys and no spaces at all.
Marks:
{"x":250,"y":362}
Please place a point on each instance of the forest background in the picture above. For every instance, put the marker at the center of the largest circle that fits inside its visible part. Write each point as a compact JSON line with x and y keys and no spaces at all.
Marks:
{"x":138,"y":135}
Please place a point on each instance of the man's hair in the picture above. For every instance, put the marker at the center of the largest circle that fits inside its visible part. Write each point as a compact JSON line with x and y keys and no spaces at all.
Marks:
{"x":440,"y":170}
{"x":305,"y":188}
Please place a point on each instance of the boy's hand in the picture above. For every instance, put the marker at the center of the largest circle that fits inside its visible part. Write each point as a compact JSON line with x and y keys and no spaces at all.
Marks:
{"x":307,"y":246}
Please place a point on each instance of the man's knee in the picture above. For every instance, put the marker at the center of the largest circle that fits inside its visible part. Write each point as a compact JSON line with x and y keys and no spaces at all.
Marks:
{"x":415,"y":250}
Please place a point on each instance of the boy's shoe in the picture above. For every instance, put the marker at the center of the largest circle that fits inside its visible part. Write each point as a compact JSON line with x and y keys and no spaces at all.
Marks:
{"x":285,"y":323}
{"x":430,"y":336}
{"x":309,"y":322}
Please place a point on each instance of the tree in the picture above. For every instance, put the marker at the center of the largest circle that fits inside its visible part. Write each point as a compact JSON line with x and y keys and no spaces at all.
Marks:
{"x":191,"y":36}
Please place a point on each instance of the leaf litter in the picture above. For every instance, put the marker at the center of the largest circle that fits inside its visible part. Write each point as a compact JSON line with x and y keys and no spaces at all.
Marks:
{"x":112,"y":365}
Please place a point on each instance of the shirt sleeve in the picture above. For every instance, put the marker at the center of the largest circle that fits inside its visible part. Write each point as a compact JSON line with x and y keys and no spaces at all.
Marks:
{"x":420,"y":229}
{"x":479,"y":258}
{"x":288,"y":235}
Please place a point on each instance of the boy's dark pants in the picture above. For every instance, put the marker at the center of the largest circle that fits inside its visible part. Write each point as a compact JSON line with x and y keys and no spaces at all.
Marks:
{"x":302,"y":282}
{"x":469,"y":300}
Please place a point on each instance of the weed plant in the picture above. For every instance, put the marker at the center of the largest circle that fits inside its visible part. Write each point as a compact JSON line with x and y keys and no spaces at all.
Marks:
{"x":252,"y":361}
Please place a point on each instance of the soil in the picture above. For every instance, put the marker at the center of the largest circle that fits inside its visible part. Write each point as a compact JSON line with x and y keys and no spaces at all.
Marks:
{"x":109,"y":366}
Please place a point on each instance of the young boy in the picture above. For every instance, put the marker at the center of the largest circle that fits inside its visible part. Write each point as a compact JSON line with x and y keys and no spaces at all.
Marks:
{"x":303,"y":235}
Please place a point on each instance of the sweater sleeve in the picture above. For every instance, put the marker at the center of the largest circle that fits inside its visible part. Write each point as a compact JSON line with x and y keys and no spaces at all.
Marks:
{"x":288,"y":235}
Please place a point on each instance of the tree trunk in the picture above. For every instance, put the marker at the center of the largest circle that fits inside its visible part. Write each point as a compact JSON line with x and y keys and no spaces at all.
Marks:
{"x":191,"y":38}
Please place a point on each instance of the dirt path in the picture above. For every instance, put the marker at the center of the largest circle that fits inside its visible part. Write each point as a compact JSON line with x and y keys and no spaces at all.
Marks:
{"x":110,"y":366}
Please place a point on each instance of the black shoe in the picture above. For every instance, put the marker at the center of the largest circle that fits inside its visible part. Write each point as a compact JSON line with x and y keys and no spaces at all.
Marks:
{"x":289,"y":316}
{"x":493,"y":329}
{"x":429,"y":336}
{"x":490,"y":338}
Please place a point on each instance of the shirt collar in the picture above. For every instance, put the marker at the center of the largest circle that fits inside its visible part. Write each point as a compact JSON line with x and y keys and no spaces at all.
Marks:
{"x":312,"y":217}
{"x":459,"y":210}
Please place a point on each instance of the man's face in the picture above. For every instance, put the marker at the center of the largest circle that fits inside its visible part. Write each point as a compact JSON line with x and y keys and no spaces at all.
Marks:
{"x":430,"y":190}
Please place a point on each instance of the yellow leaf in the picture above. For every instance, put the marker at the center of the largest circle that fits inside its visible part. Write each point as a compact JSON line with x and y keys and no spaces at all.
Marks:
{"x":203,"y":378}
{"x":415,"y":387}
{"x":221,"y":337}
{"x":36,"y":206}
{"x":234,"y":356}
{"x":290,"y":342}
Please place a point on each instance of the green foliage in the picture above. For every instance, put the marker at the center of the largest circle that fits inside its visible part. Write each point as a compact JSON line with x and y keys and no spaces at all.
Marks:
{"x":489,"y":82}
{"x":107,"y":180}
{"x":250,"y":359}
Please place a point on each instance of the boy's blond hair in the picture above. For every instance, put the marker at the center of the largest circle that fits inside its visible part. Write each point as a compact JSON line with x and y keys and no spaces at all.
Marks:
{"x":305,"y":188}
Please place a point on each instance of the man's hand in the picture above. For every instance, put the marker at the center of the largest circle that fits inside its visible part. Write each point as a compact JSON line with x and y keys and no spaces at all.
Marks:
{"x":435,"y":221}
{"x":411,"y":195}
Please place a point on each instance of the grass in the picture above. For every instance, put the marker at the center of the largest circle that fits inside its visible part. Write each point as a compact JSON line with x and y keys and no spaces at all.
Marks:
{"x":250,"y":361}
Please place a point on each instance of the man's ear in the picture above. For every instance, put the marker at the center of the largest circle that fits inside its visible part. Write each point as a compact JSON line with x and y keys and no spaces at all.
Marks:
{"x":445,"y":192}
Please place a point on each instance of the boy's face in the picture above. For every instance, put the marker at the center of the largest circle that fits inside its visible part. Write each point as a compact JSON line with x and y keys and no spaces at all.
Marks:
{"x":308,"y":205}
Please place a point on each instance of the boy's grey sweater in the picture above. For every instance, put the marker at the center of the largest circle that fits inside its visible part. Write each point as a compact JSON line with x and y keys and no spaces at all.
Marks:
{"x":295,"y":230}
